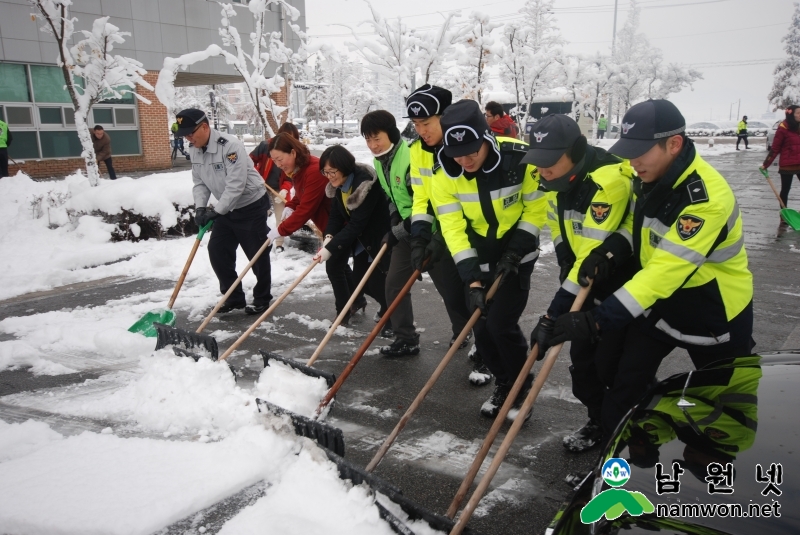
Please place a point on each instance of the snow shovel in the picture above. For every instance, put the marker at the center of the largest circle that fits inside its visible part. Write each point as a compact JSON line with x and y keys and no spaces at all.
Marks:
{"x":180,"y":338}
{"x":547,"y":365}
{"x":166,"y":316}
{"x":501,"y":416}
{"x":792,"y":217}
{"x":372,"y":335}
{"x":338,"y":321}
{"x":429,"y":385}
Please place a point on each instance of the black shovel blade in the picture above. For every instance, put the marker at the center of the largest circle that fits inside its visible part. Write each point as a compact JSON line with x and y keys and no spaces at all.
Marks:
{"x":327,"y":436}
{"x":184,"y":341}
{"x":308,"y":370}
{"x":414,"y":511}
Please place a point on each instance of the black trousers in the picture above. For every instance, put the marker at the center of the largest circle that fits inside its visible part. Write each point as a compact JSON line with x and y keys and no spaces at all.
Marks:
{"x":498,"y":336}
{"x":786,"y":184}
{"x":601,"y":134}
{"x":246,"y":226}
{"x":3,"y":162}
{"x":400,"y":270}
{"x":344,"y":280}
{"x":593,"y":368}
{"x":642,"y":348}
{"x":451,"y":288}
{"x":111,"y":174}
{"x":742,"y":137}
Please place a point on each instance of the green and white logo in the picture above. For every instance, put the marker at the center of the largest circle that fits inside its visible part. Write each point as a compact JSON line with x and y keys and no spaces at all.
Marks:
{"x":614,"y":502}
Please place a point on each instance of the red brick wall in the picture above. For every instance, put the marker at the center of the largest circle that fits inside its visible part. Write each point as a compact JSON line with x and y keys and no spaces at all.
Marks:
{"x":154,"y":133}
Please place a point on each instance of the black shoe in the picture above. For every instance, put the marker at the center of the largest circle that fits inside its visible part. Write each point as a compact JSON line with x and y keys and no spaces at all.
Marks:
{"x":480,"y":374}
{"x":387,"y":332}
{"x":491,"y":406}
{"x":360,"y":304}
{"x":255,"y":309}
{"x":401,"y":348}
{"x":464,"y":343}
{"x":520,"y":399}
{"x":228,"y":307}
{"x":585,"y":438}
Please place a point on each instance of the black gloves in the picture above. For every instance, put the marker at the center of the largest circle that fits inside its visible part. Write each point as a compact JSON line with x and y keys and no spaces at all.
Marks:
{"x":419,"y":252}
{"x":389,"y":239}
{"x":476,"y":299}
{"x":508,"y":265}
{"x":597,"y":266}
{"x":436,"y":249}
{"x":575,"y":326}
{"x":541,"y":334}
{"x":203,"y":215}
{"x":564,"y":273}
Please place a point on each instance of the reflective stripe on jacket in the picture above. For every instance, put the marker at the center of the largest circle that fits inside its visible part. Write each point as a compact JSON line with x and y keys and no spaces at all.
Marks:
{"x":423,"y":166}
{"x":499,"y":209}
{"x":689,"y":242}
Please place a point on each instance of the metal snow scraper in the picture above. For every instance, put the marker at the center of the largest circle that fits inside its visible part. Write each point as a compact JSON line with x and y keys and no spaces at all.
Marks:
{"x":384,"y":491}
{"x":146,"y":325}
{"x":792,"y":217}
{"x":325,"y":435}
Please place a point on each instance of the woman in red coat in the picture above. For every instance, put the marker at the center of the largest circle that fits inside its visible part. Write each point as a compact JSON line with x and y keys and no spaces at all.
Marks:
{"x":309,"y":200}
{"x":787,"y":145}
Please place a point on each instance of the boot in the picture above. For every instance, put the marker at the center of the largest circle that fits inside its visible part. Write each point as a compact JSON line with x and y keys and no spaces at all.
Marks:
{"x":464,"y":343}
{"x":480,"y":374}
{"x":491,"y":406}
{"x":585,"y":438}
{"x":401,"y":348}
{"x":520,"y":399}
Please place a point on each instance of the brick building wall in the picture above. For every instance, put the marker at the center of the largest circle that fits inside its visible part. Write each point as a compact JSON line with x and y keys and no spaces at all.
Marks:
{"x":155,"y":138}
{"x":281,"y":98}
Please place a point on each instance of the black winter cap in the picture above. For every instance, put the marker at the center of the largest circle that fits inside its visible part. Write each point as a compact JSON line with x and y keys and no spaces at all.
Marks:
{"x":427,"y":101}
{"x":646,"y":124}
{"x":188,"y":120}
{"x":464,"y":128}
{"x":550,"y":139}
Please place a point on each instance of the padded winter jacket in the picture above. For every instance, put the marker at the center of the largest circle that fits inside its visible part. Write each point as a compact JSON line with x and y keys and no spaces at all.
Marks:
{"x":271,"y":173}
{"x":102,"y":147}
{"x":309,"y":201}
{"x":787,"y":145}
{"x":505,"y":126}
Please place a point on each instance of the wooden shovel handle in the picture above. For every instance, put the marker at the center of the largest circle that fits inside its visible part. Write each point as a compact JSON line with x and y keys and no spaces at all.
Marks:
{"x":775,"y":191}
{"x":429,"y":385}
{"x":233,"y":286}
{"x":346,"y":309}
{"x":267,"y":312}
{"x":189,"y":260}
{"x":502,"y":451}
{"x":501,"y":416}
{"x":372,"y":335}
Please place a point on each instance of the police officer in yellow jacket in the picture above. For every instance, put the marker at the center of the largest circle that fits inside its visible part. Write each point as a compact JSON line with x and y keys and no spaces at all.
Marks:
{"x":588,"y":195}
{"x":425,"y":107}
{"x":491,"y":213}
{"x":693,"y":288}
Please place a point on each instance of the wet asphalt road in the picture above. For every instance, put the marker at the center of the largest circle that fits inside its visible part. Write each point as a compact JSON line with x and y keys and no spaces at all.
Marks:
{"x":434,"y":451}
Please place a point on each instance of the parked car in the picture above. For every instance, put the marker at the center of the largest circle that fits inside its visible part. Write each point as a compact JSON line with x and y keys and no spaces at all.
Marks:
{"x":332,"y":133}
{"x":693,"y":440}
{"x":771,"y":133}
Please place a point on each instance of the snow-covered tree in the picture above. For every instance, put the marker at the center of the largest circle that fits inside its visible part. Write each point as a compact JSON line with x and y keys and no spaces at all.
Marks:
{"x":91,"y":72}
{"x":475,"y":54}
{"x":317,"y":106}
{"x":389,"y":51}
{"x":786,"y":87}
{"x":432,"y":51}
{"x":267,"y":48}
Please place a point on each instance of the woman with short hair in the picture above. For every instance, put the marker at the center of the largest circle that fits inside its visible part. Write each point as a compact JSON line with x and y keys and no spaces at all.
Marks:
{"x":359,"y":218}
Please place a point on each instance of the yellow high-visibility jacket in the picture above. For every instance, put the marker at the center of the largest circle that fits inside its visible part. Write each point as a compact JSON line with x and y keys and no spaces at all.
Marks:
{"x":423,"y":168}
{"x":499,"y":209}
{"x":591,"y":214}
{"x":688,"y":240}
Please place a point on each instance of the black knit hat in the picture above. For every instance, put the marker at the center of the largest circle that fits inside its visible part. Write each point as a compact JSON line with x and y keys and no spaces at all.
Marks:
{"x":645,"y":124}
{"x":427,"y":101}
{"x":188,"y":120}
{"x":464,"y":128}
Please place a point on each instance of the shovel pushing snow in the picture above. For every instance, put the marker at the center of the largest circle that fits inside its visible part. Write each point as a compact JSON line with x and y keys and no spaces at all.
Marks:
{"x":792,"y":217}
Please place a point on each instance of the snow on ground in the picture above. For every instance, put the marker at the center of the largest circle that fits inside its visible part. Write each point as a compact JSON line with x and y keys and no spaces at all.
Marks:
{"x":702,"y":146}
{"x":178,"y":436}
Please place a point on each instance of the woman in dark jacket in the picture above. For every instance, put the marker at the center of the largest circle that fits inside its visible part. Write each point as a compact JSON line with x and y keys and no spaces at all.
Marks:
{"x":359,"y":219}
{"x":787,"y":145}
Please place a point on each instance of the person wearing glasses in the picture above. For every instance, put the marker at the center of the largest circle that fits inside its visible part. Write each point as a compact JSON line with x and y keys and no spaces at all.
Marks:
{"x":499,"y":121}
{"x":222,"y":168}
{"x":358,"y":221}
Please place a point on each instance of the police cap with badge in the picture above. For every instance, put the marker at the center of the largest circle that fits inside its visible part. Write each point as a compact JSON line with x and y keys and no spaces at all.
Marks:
{"x":644,"y":125}
{"x":464,"y":130}
{"x":189,"y":120}
{"x":427,"y":101}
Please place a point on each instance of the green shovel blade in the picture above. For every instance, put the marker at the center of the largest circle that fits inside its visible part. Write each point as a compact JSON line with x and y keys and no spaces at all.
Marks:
{"x":792,"y":218}
{"x":145,"y":325}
